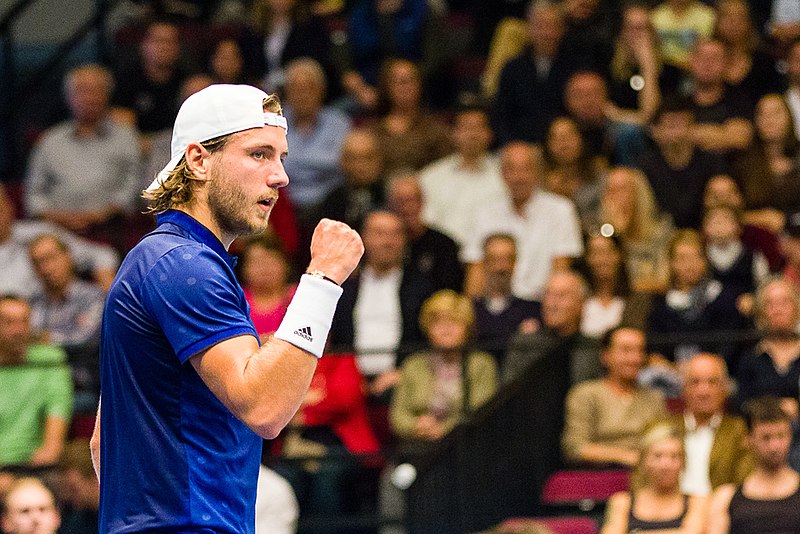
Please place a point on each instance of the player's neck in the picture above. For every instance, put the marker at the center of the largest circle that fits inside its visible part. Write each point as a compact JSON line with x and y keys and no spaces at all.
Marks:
{"x":200,"y":212}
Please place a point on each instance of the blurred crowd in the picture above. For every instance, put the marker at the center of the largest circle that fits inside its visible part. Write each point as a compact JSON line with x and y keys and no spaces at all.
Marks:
{"x":615,"y":182}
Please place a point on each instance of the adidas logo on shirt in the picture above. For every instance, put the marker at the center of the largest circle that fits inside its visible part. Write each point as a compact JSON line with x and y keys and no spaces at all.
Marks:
{"x":305,"y":333}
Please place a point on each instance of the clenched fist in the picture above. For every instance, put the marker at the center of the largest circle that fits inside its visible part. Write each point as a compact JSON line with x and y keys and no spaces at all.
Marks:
{"x":336,"y":250}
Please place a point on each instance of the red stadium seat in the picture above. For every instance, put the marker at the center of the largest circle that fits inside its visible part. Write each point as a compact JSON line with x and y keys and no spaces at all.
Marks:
{"x":584,"y":488}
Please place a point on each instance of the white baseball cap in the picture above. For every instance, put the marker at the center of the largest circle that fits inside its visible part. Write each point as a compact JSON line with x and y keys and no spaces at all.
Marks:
{"x":217,"y":110}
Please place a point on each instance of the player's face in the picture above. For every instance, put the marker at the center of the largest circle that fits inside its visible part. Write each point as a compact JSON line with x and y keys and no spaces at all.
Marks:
{"x":245,"y":178}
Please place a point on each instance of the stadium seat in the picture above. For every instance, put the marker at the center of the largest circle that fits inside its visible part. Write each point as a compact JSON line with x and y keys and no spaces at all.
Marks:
{"x":584,"y":488}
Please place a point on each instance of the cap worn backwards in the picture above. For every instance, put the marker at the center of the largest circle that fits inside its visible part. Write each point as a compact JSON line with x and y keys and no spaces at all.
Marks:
{"x":217,"y":110}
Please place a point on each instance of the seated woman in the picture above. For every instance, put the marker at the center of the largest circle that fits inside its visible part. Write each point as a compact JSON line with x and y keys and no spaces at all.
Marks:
{"x":629,"y":206}
{"x":694,"y":303}
{"x":265,"y":280}
{"x":657,"y":504}
{"x":611,"y":300}
{"x":605,"y":418}
{"x":773,"y":367}
{"x":430,"y":397}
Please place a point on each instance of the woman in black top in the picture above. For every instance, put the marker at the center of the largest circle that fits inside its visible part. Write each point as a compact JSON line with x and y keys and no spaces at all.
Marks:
{"x":657,"y":502}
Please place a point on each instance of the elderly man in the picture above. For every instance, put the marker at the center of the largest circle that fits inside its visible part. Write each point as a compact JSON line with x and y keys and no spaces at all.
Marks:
{"x":544,"y":225}
{"x":379,"y":308}
{"x":562,"y":306}
{"x":316,"y":134}
{"x":713,"y":440}
{"x":83,"y":173}
{"x":35,"y":391}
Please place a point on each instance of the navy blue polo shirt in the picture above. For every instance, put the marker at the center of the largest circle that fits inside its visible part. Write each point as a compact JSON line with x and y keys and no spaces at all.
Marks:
{"x":173,"y":457}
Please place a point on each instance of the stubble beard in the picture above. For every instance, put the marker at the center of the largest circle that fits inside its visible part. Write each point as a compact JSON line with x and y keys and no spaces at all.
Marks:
{"x":229,"y":207}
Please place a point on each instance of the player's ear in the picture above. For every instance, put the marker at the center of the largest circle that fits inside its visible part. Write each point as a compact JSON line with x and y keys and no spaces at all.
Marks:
{"x":197,"y":159}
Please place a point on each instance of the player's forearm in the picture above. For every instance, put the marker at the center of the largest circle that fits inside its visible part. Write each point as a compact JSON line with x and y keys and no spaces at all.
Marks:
{"x":94,"y":444}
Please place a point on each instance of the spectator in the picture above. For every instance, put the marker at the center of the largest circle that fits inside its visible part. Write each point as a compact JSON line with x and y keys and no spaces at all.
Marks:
{"x":722,"y":114}
{"x":713,"y":441}
{"x":611,"y":301}
{"x":773,"y":367}
{"x":385,"y":29}
{"x":286,"y":31}
{"x":433,"y":394}
{"x":266,"y":281}
{"x":590,"y":27}
{"x":35,"y":391}
{"x":226,"y":63}
{"x":545,"y":226}
{"x":769,"y":170}
{"x":68,"y":311}
{"x":378,"y":310}
{"x":722,"y":190}
{"x":605,"y":418}
{"x":637,"y":74}
{"x":29,"y":506}
{"x":571,"y":171}
{"x":316,"y":133}
{"x":409,"y":137}
{"x":92,"y":260}
{"x":363,"y":190}
{"x":430,"y":252}
{"x":693,"y":303}
{"x":530,"y":91}
{"x":79,"y":491}
{"x":749,"y":68}
{"x":676,"y":167}
{"x":456,"y":185}
{"x":148,"y":92}
{"x":83,"y":173}
{"x":793,"y":82}
{"x":317,"y":453}
{"x":560,"y":333}
{"x":679,"y":24}
{"x":498,"y":313}
{"x":628,"y":209}
{"x":731,"y":262}
{"x":657,"y":504}
{"x":768,"y":501}
{"x":618,"y":137}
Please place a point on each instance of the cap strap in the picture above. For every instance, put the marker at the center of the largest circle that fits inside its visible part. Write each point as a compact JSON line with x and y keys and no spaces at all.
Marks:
{"x":273,"y":119}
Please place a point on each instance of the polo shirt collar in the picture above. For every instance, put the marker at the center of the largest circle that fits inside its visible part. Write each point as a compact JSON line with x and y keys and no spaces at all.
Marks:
{"x":691,"y":422}
{"x":190,"y":227}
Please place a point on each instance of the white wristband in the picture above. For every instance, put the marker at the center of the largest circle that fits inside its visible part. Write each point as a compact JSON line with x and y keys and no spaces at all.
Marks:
{"x":308,"y":317}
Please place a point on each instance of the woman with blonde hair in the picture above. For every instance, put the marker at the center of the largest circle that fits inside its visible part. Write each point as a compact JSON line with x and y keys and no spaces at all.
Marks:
{"x":433,"y":394}
{"x":657,"y":503}
{"x":628,"y":209}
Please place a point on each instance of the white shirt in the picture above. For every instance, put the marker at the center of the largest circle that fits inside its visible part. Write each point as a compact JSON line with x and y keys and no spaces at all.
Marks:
{"x":277,"y":510}
{"x":597,"y":318}
{"x":548,"y":229}
{"x":377,"y":321}
{"x":698,"y":442}
{"x":453,"y":194}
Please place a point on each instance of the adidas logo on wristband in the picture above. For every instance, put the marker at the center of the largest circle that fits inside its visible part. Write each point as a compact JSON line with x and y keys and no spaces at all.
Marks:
{"x":305,"y":333}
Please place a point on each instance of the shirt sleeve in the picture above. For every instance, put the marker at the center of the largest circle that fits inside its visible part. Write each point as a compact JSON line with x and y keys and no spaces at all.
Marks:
{"x":58,"y":389}
{"x":579,"y":421}
{"x":568,"y":243}
{"x":194,"y":297}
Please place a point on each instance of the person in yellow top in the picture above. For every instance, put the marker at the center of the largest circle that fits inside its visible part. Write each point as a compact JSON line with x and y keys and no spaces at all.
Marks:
{"x":679,"y":24}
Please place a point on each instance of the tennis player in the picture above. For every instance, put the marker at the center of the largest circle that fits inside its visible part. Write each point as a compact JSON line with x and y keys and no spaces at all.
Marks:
{"x":187,"y":392}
